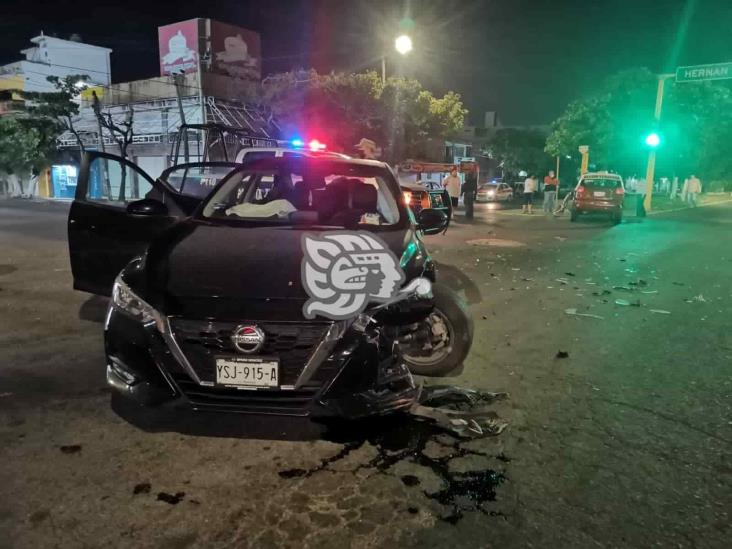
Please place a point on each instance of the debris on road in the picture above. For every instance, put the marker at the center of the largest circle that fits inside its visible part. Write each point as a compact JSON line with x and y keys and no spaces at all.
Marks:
{"x":172,"y":499}
{"x":141,"y":488}
{"x":70,"y":449}
{"x":569,"y":274}
{"x":495,"y":242}
{"x":562,"y":354}
{"x":573,"y":312}
{"x":660,"y":311}
{"x":626,"y":303}
{"x":560,"y":238}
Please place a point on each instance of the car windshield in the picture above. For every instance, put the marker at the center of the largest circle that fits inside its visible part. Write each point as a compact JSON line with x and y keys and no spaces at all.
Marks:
{"x":600,"y":183}
{"x":338,"y":194}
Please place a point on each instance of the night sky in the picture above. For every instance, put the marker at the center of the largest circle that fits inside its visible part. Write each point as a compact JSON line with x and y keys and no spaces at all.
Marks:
{"x":524,"y":58}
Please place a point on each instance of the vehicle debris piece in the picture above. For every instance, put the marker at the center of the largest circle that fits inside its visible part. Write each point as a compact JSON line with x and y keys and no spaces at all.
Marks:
{"x":603,"y":292}
{"x":70,"y":449}
{"x":660,"y":311}
{"x":562,"y":354}
{"x":573,"y":312}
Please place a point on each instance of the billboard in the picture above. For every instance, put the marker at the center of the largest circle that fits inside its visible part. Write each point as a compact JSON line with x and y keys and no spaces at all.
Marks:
{"x":178,"y":45}
{"x":235,"y":51}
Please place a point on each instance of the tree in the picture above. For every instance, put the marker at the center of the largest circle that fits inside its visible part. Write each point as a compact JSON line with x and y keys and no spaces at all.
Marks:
{"x":519,"y":149}
{"x":122,"y":133}
{"x":614,"y":121}
{"x":26,"y":146}
{"x":401,"y":115}
{"x":61,"y":106}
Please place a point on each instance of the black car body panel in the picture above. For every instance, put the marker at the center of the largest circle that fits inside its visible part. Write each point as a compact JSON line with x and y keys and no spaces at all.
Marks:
{"x":204,"y":279}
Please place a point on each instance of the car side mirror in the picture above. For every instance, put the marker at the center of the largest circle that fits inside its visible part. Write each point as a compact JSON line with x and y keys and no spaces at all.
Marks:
{"x":147,"y":206}
{"x":431,"y":221}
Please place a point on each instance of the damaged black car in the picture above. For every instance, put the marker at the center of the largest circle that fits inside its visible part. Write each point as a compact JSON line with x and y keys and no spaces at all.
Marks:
{"x":294,"y":286}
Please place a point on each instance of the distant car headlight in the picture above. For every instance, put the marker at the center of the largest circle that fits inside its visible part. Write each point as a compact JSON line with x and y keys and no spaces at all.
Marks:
{"x":127,"y":301}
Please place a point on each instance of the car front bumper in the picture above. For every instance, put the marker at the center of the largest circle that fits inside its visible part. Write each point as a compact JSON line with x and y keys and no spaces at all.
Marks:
{"x":352,"y":375}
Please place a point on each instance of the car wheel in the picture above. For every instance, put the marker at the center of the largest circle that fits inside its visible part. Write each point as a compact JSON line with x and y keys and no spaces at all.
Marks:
{"x":451,"y":335}
{"x":617,"y":218}
{"x":573,"y":214}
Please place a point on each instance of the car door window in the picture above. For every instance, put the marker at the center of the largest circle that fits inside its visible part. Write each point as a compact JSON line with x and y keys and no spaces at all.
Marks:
{"x":114,"y":182}
{"x":196,"y":180}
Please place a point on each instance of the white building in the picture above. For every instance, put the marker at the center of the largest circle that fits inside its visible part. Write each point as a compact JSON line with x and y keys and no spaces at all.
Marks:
{"x":51,"y":56}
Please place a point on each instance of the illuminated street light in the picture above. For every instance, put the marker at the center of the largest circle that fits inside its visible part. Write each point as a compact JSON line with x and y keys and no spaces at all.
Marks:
{"x":403,"y":44}
{"x":653,"y":140}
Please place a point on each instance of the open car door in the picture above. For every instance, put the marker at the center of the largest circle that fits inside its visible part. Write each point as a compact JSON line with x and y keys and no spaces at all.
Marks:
{"x":118,"y":210}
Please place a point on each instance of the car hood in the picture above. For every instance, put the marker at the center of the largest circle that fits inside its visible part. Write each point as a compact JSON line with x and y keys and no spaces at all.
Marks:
{"x":218,"y":268}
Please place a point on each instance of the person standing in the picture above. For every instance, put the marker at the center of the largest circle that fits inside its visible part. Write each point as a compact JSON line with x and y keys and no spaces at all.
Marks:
{"x":693,"y":189}
{"x":675,"y":187}
{"x":530,"y":185}
{"x":470,"y":188}
{"x":452,"y":186}
{"x":551,"y":185}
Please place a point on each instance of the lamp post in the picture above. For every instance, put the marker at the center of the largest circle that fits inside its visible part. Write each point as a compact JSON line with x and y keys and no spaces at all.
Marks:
{"x":653,"y":141}
{"x":403,"y":45}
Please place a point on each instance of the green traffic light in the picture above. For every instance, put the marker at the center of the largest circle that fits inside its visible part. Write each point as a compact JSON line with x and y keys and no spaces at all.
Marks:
{"x":653,"y":140}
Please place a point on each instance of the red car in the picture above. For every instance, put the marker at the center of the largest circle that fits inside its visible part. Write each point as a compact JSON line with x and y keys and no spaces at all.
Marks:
{"x":600,"y":192}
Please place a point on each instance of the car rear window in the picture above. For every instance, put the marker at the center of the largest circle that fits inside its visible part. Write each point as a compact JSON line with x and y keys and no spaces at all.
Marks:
{"x":600,"y":183}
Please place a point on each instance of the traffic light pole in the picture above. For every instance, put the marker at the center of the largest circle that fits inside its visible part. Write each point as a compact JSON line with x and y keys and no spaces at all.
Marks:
{"x":651,"y":166}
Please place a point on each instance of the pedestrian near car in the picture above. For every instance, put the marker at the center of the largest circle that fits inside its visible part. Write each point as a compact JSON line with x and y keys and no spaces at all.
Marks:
{"x":551,"y":185}
{"x":470,"y":188}
{"x":530,"y":185}
{"x":452,"y":185}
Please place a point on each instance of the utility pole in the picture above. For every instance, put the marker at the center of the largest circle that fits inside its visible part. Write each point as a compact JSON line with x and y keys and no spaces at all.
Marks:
{"x":383,"y":70}
{"x":651,"y":166}
{"x":585,"y":152}
{"x":179,"y":80}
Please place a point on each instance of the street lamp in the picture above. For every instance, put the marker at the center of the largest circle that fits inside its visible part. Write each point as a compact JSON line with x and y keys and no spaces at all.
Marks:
{"x":403,"y":45}
{"x":653,"y":140}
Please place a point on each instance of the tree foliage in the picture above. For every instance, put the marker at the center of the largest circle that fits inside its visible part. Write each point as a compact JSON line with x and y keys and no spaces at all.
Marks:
{"x":61,"y":105}
{"x":695,"y":122}
{"x":344,"y":107}
{"x":26,"y":145}
{"x":519,"y":149}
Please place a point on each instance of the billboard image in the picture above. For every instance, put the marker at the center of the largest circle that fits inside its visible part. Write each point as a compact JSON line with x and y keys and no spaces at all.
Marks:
{"x":235,"y":51}
{"x":178,"y":45}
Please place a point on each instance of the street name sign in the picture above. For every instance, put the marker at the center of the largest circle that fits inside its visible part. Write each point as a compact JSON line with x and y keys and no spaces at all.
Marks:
{"x":696,"y":73}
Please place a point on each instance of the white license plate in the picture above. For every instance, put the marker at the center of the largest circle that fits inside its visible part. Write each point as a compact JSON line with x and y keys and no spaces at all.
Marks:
{"x":236,"y":371}
{"x":599,"y":193}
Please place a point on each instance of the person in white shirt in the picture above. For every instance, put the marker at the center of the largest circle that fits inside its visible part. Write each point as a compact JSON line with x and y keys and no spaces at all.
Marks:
{"x":530,"y":185}
{"x":452,"y":186}
{"x":692,"y":186}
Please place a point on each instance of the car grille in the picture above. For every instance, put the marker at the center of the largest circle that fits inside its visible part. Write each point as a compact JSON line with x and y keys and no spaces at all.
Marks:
{"x":292,"y":343}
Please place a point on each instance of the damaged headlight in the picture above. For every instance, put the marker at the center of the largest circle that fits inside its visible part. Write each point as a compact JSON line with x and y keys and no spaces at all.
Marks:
{"x":127,"y":301}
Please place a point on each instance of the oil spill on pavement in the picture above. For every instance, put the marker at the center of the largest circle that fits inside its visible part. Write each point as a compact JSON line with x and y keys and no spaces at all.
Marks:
{"x":7,"y":269}
{"x":141,"y":488}
{"x":172,"y":499}
{"x":405,"y":438}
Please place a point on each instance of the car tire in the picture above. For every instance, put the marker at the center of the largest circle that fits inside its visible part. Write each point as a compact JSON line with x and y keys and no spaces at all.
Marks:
{"x":617,"y":218}
{"x":453,"y":312}
{"x":573,"y":214}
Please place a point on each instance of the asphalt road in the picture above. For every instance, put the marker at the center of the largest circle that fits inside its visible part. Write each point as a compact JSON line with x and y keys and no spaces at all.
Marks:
{"x":624,"y":443}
